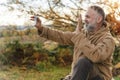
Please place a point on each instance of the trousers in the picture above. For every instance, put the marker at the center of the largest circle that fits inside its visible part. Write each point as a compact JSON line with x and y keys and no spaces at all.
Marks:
{"x":82,"y":70}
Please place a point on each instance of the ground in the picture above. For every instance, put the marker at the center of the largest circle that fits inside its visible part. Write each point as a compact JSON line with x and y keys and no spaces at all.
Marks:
{"x":16,"y":73}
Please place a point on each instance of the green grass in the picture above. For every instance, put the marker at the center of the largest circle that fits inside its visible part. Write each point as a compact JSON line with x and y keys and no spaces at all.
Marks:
{"x":16,"y":74}
{"x":117,"y":78}
{"x":54,"y":73}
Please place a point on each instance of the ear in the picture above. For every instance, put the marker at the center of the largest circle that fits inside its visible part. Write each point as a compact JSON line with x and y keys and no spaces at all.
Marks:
{"x":99,"y":19}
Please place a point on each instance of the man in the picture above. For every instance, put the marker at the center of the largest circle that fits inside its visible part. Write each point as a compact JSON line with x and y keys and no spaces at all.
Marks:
{"x":93,"y":46}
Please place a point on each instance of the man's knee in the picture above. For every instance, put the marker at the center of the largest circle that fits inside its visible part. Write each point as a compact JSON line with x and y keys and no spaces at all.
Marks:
{"x":84,"y":62}
{"x":82,"y":69}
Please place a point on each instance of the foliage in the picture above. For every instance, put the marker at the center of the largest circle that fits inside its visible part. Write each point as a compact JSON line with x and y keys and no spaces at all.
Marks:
{"x":3,"y":59}
{"x":15,"y":32}
{"x":34,"y":55}
{"x":116,"y":55}
{"x":43,"y":66}
{"x":116,"y":61}
{"x":63,"y":15}
{"x":18,"y":53}
{"x":114,"y":24}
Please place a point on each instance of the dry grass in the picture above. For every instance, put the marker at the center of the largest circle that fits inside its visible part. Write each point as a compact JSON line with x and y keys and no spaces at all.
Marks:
{"x":54,"y":73}
{"x":16,"y":73}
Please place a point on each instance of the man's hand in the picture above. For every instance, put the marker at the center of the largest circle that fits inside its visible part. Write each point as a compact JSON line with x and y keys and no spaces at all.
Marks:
{"x":38,"y":24}
{"x":79,"y":25}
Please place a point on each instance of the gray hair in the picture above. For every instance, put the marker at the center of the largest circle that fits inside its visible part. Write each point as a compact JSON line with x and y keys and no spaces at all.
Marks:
{"x":100,"y":11}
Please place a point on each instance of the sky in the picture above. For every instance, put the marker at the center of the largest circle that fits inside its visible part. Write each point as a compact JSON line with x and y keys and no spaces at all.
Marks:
{"x":15,"y":17}
{"x":20,"y":18}
{"x":7,"y":17}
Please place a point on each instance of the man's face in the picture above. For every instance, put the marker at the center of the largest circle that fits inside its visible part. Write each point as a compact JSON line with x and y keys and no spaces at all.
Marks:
{"x":91,"y":19}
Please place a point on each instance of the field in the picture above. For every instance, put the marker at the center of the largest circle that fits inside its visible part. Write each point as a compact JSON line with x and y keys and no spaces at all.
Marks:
{"x":16,"y":73}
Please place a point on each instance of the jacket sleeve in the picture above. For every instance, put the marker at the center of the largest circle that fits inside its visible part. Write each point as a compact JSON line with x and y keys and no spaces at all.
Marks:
{"x":99,"y":52}
{"x":57,"y":36}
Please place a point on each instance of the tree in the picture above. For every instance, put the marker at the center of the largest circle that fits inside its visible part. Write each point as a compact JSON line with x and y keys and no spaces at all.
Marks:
{"x":62,"y":14}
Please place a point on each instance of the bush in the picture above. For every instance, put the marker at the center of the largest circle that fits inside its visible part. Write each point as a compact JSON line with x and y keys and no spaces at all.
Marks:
{"x":43,"y":66}
{"x":21,"y":53}
{"x":62,"y":55}
{"x":116,"y":55}
{"x":3,"y":60}
{"x":34,"y":55}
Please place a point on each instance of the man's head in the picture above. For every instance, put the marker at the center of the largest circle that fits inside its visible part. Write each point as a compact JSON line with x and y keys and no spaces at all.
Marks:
{"x":94,"y":18}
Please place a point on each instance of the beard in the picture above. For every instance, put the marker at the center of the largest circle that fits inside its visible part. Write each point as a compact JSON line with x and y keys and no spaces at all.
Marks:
{"x":90,"y":27}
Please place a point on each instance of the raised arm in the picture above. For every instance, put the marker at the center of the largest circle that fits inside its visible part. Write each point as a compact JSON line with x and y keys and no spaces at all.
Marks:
{"x":55,"y":35}
{"x":79,"y":25}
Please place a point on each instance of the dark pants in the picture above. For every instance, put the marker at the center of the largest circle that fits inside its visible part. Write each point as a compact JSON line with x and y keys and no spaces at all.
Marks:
{"x":82,"y":70}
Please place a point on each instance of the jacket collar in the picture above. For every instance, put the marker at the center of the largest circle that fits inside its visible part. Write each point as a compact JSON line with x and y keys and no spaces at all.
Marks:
{"x":103,"y":29}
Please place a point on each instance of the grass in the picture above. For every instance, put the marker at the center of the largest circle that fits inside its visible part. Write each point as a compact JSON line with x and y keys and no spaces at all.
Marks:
{"x":117,"y":78}
{"x":17,"y":74}
{"x":54,"y":73}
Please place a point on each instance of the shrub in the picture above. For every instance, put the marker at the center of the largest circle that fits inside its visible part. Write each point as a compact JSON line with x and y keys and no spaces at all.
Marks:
{"x":116,"y":55}
{"x":34,"y":55}
{"x":43,"y":66}
{"x":21,"y":53}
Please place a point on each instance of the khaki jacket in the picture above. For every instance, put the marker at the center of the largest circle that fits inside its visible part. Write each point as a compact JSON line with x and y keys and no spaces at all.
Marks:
{"x":98,"y":47}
